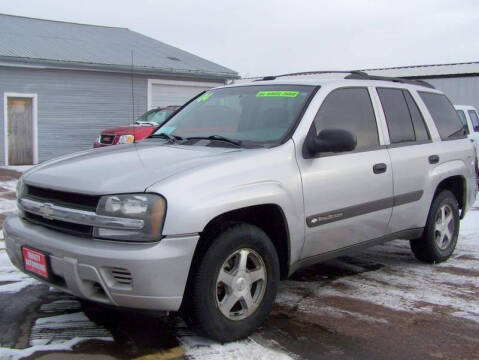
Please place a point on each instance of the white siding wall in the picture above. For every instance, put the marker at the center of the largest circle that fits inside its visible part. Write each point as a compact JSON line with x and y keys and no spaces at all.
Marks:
{"x":74,"y":106}
{"x":460,"y":90}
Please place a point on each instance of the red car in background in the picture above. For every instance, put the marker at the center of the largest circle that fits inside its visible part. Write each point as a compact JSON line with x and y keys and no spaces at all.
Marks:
{"x":142,"y":128}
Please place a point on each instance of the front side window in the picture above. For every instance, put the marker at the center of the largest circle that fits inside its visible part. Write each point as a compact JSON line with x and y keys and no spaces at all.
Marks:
{"x":444,"y":115}
{"x":350,"y":109}
{"x":246,"y":114}
{"x":462,"y":117}
{"x":474,"y":120}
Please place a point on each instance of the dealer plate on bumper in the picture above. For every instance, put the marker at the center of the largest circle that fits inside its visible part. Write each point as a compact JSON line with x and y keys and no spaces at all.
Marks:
{"x":35,"y":262}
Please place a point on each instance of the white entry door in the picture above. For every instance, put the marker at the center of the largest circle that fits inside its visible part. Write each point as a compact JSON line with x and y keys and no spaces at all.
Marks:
{"x":20,"y":126}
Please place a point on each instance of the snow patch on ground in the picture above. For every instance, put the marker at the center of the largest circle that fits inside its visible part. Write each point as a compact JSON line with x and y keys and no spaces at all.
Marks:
{"x":197,"y":348}
{"x":15,"y":354}
{"x":7,"y":206}
{"x":246,"y":349}
{"x":61,"y":328}
{"x":19,"y":168}
{"x":10,"y":185}
{"x":12,"y":280}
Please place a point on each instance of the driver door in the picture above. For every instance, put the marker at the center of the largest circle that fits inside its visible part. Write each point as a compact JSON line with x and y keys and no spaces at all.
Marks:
{"x":348,"y":197}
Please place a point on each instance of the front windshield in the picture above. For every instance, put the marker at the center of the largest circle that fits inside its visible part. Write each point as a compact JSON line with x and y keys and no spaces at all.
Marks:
{"x":155,"y":116}
{"x":259,"y":114}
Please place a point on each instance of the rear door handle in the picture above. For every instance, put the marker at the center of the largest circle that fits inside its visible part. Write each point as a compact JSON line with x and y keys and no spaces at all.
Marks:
{"x":380,"y":168}
{"x":433,"y":159}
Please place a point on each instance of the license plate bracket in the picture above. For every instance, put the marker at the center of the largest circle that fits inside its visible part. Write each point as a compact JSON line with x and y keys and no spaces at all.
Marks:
{"x":35,"y":262}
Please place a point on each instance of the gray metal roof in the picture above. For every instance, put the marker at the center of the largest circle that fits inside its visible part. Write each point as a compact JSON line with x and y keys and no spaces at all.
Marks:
{"x":72,"y":45}
{"x":438,"y":70}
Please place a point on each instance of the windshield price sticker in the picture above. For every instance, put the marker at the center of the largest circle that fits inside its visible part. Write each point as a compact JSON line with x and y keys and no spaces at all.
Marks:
{"x":204,"y":97}
{"x":288,"y":94}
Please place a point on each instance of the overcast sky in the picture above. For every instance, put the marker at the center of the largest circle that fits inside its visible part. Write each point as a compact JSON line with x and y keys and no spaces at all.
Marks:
{"x":256,"y":37}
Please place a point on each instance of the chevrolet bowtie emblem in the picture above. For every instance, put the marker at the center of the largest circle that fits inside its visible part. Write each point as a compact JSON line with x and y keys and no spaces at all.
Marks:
{"x":46,"y":210}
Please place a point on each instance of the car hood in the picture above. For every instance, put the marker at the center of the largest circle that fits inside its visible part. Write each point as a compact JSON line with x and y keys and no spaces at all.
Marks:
{"x":128,"y":129}
{"x":122,"y":168}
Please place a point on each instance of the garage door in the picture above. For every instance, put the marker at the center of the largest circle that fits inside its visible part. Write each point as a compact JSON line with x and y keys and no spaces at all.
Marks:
{"x":165,"y":93}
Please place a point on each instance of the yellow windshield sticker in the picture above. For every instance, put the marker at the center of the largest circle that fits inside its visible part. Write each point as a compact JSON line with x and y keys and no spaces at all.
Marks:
{"x":204,"y":97}
{"x":288,"y":94}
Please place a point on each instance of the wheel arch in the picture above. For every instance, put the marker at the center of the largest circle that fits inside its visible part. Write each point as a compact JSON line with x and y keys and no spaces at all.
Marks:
{"x":268,"y":217}
{"x":264,"y":216}
{"x":457,"y":185}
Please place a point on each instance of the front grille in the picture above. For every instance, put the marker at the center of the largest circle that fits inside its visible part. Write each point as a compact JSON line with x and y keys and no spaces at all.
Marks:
{"x":66,"y":227}
{"x":66,"y":199}
{"x":107,"y":139}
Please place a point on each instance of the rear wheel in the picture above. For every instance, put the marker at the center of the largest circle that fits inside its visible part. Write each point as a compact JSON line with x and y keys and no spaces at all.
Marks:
{"x":235,"y":284}
{"x":442,"y":228}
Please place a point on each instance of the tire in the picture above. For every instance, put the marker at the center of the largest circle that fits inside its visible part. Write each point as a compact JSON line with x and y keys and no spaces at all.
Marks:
{"x":433,"y":247}
{"x":210,"y":312}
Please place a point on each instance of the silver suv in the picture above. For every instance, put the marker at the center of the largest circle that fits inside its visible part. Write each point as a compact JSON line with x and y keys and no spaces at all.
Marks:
{"x":241,"y":187}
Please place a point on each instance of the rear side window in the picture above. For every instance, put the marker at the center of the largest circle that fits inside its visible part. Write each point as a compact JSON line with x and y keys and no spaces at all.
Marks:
{"x":444,"y":115}
{"x":350,"y":109}
{"x":420,"y":129}
{"x":404,"y":120}
{"x":474,"y":120}
{"x":462,"y":117}
{"x":397,"y":115}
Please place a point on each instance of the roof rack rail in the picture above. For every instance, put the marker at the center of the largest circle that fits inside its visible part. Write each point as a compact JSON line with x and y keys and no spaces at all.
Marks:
{"x":313,"y":73}
{"x":354,"y":74}
{"x":360,"y":75}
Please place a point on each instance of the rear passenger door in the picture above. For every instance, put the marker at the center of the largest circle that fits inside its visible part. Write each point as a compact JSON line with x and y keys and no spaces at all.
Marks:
{"x":347,"y":200}
{"x":410,"y":149}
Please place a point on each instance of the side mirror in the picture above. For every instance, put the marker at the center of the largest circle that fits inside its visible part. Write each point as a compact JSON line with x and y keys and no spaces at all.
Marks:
{"x":329,"y":140}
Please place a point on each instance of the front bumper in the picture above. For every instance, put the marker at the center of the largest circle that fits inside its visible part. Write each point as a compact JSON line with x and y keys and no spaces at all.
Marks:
{"x":135,"y":275}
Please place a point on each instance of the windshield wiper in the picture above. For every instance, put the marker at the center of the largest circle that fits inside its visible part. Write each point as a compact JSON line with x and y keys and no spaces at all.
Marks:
{"x":216,"y":137}
{"x":172,"y":138}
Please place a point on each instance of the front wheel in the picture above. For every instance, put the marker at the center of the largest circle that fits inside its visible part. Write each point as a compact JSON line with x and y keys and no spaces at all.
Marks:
{"x":442,"y":229}
{"x":235,"y":284}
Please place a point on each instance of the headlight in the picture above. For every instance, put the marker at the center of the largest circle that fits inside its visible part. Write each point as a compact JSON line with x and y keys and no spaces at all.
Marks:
{"x":150,"y":208}
{"x":126,"y":139}
{"x":98,"y":139}
{"x":20,"y":188}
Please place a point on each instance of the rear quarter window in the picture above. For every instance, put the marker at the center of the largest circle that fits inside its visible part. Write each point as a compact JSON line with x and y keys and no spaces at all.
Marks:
{"x":444,"y":116}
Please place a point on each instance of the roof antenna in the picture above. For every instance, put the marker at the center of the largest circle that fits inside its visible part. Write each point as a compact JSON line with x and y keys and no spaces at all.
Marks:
{"x":132,"y":98}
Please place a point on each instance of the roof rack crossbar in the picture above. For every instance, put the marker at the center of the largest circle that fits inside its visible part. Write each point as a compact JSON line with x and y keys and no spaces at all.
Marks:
{"x":354,"y":74}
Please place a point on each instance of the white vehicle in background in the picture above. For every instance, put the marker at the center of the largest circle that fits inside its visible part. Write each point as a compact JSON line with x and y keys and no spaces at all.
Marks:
{"x":470,"y":119}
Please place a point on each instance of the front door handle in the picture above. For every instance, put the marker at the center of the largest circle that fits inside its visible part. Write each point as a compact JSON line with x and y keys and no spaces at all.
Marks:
{"x":380,"y":168}
{"x":433,"y":159}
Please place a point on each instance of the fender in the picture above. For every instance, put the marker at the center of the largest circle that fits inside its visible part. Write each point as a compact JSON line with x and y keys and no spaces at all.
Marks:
{"x":194,"y":199}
